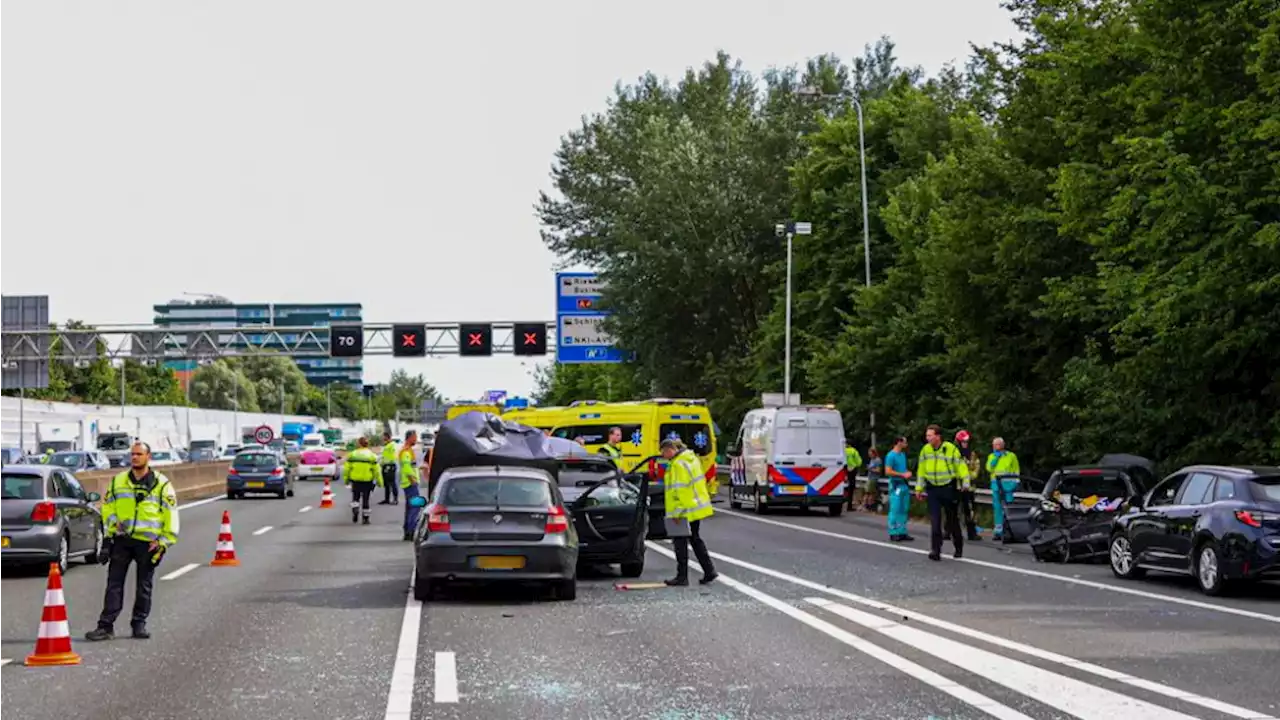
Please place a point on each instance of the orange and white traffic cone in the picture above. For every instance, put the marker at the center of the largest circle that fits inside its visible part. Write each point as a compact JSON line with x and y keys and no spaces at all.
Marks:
{"x":326,"y":497}
{"x":53,"y":643}
{"x":225,"y":552}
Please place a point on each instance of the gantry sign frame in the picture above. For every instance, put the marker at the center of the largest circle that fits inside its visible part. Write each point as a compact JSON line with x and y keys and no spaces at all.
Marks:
{"x":157,"y":343}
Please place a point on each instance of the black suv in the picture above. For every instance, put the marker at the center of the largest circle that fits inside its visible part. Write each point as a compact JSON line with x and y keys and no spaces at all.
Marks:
{"x":1217,"y":523}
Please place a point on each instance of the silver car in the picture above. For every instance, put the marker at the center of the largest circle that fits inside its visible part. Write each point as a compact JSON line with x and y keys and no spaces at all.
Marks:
{"x":48,"y":517}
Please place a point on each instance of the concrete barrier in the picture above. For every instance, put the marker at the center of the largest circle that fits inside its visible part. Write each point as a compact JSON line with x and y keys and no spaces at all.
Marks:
{"x":192,"y":480}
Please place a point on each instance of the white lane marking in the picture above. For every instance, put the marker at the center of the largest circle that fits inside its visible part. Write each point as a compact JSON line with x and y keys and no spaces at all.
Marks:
{"x":205,"y":501}
{"x":263,"y":529}
{"x":1098,"y":670}
{"x":181,"y":571}
{"x":5,"y":661}
{"x":446,"y":678}
{"x":304,"y":508}
{"x":400,"y":696}
{"x":1085,"y":701}
{"x":1027,"y":572}
{"x":903,"y":665}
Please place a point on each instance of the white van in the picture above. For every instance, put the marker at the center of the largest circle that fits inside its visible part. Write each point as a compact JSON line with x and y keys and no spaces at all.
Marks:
{"x":313,"y":441}
{"x":790,"y":456}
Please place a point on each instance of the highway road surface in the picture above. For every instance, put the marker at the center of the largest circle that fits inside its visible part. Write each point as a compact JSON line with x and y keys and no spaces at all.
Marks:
{"x":815,"y":617}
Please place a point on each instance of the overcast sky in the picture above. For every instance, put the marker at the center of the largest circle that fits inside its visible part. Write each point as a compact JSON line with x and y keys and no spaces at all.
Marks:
{"x":386,"y":153}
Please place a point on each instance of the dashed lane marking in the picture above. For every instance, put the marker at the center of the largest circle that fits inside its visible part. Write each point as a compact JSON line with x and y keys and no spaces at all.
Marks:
{"x":400,"y":696}
{"x":446,"y":678}
{"x":304,"y":508}
{"x":263,"y":529}
{"x":5,"y":661}
{"x":181,"y":571}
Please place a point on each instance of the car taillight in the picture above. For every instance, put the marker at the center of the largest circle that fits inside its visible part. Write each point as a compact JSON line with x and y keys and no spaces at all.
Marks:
{"x":1253,"y":518}
{"x":278,"y":471}
{"x":44,"y":512}
{"x":232,"y":471}
{"x":557,"y":521}
{"x":437,"y":519}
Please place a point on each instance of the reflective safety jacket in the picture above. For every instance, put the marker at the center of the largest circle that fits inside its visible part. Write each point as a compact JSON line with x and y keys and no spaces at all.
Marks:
{"x":141,"y":511}
{"x":1003,"y":466}
{"x":685,"y":489}
{"x":408,"y":468}
{"x":389,"y":453}
{"x":614,"y":453}
{"x":940,"y":467}
{"x":361,"y":466}
{"x":852,"y":459}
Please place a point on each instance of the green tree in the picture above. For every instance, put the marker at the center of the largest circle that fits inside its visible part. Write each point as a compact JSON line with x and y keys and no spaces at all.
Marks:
{"x":278,"y":381}
{"x":557,"y":384}
{"x":222,"y":386}
{"x":152,"y":384}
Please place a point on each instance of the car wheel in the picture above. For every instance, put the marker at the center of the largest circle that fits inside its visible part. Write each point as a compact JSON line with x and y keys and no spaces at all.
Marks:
{"x":1209,"y":569}
{"x":231,"y":495}
{"x":633,"y":570}
{"x":64,"y":550}
{"x":422,"y":588}
{"x":567,"y":590}
{"x":1123,"y":563}
{"x":289,"y":493}
{"x":835,"y":510}
{"x":759,"y":506}
{"x":93,"y":557}
{"x":282,"y":494}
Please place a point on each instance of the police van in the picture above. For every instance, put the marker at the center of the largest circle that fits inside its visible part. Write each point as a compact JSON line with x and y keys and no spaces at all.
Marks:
{"x":789,"y":455}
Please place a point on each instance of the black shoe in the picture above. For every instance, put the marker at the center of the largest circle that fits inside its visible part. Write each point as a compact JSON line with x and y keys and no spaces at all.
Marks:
{"x":384,"y":502}
{"x":895,"y":538}
{"x":677,"y":582}
{"x":366,"y":520}
{"x":906,"y":538}
{"x":959,"y":553}
{"x":99,"y":634}
{"x":140,"y":632}
{"x":708,"y":579}
{"x":936,"y":557}
{"x":395,"y":502}
{"x":355,"y":515}
{"x":408,"y":536}
{"x":975,"y":537}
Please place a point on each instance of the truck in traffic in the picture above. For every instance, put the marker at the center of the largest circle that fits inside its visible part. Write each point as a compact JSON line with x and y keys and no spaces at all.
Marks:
{"x":205,"y":443}
{"x":114,"y":436}
{"x":57,"y":436}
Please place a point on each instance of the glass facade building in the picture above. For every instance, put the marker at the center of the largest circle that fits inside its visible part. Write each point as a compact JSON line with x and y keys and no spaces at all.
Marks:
{"x":320,"y":371}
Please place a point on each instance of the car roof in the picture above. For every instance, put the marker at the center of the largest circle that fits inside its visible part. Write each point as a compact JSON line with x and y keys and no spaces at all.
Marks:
{"x":496,"y":470}
{"x":1238,"y":470}
{"x":30,"y":469}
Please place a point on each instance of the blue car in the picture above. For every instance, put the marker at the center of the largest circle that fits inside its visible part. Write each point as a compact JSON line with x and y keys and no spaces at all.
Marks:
{"x":261,"y":472}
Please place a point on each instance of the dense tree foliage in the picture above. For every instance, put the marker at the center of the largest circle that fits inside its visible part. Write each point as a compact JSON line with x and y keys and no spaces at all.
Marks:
{"x":1075,"y":239}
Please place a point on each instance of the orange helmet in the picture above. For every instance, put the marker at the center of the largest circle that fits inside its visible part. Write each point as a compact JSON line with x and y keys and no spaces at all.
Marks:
{"x":962,"y":436}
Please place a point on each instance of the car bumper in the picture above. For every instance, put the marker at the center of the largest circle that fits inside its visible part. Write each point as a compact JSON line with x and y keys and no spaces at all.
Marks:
{"x":454,"y":562}
{"x":33,"y":544}
{"x":318,"y":471}
{"x":273,"y":485}
{"x":1260,"y":562}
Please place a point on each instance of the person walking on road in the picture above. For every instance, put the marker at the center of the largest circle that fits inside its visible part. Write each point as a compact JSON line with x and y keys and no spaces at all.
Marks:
{"x":875,"y":469}
{"x":687,"y":504}
{"x":895,"y":468}
{"x":1003,"y":468}
{"x":967,"y":498}
{"x":140,"y":520}
{"x":361,"y":473}
{"x":390,"y":488}
{"x":409,"y":482}
{"x":612,"y":448}
{"x":945,"y":472}
{"x":852,"y":464}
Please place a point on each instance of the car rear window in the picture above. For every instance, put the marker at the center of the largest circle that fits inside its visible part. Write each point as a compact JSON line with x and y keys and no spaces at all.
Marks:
{"x":255,"y":460}
{"x":497,"y":491}
{"x":1266,"y":488}
{"x":1083,"y":486}
{"x":19,"y":486}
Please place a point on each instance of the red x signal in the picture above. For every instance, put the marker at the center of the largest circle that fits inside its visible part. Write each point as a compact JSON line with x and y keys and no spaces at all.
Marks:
{"x":531,"y":338}
{"x":475,"y":339}
{"x":409,"y":340}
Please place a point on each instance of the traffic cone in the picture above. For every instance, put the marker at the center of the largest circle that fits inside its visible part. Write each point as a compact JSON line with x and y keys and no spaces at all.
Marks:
{"x":225,"y":552}
{"x":53,"y":643}
{"x":326,"y":497}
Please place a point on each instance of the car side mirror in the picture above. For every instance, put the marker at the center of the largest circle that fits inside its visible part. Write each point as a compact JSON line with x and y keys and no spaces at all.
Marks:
{"x":417,"y":501}
{"x":93,"y":497}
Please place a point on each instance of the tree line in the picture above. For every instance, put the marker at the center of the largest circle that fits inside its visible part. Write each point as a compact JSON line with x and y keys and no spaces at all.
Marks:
{"x":1075,"y":237}
{"x":266,"y":382}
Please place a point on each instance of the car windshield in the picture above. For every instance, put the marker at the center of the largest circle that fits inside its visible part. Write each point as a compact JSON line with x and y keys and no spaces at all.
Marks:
{"x":255,"y":460}
{"x":497,"y":492}
{"x":67,"y":460}
{"x":1266,"y":488}
{"x":1083,"y":486}
{"x":21,"y":486}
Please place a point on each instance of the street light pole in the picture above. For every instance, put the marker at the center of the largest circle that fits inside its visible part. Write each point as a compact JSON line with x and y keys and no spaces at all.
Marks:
{"x":790,"y":229}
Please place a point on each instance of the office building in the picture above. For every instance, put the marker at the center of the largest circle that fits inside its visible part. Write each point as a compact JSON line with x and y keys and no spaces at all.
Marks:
{"x":217,"y":311}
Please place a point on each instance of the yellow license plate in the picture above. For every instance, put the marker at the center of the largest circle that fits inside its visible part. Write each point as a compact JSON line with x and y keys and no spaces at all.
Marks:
{"x":500,"y":562}
{"x":793,"y":489}
{"x":5,"y":542}
{"x":255,"y":484}
{"x":318,"y":469}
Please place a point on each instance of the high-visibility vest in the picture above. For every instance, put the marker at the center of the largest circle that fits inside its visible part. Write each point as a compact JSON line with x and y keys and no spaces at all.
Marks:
{"x":852,"y":458}
{"x":408,"y":468}
{"x":940,"y":467}
{"x":361,"y":466}
{"x":614,"y":453}
{"x":141,"y":513}
{"x":685,"y":489}
{"x":1003,"y":467}
{"x":389,"y":453}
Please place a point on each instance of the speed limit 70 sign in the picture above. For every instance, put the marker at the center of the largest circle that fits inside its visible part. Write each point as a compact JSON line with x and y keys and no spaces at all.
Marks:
{"x":346,"y":341}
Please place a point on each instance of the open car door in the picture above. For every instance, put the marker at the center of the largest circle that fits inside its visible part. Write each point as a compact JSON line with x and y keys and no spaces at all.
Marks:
{"x":1019,"y":515}
{"x":611,"y":511}
{"x":650,"y":471}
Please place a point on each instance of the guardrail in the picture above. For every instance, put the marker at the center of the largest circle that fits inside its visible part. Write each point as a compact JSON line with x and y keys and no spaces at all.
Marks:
{"x":982,"y":495}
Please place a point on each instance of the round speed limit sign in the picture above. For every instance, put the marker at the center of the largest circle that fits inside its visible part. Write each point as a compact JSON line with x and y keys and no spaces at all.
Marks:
{"x":264,"y":434}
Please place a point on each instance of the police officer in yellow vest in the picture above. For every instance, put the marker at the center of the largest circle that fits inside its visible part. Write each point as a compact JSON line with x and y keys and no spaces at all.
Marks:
{"x":687,"y":504}
{"x":852,"y":463}
{"x":947,"y":475}
{"x":611,"y":448}
{"x":409,"y":482}
{"x":140,"y":518}
{"x":390,"y":488}
{"x":362,"y":473}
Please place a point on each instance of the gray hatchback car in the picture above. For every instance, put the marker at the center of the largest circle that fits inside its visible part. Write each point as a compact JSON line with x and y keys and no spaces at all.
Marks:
{"x":495,"y":524}
{"x":48,"y":517}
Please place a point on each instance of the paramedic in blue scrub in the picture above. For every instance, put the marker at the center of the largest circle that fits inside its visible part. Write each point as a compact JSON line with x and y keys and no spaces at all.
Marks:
{"x":895,"y":468}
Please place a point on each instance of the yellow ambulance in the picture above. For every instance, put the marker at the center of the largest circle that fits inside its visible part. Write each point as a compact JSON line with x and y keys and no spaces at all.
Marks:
{"x":543,"y":418}
{"x":465,"y":407}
